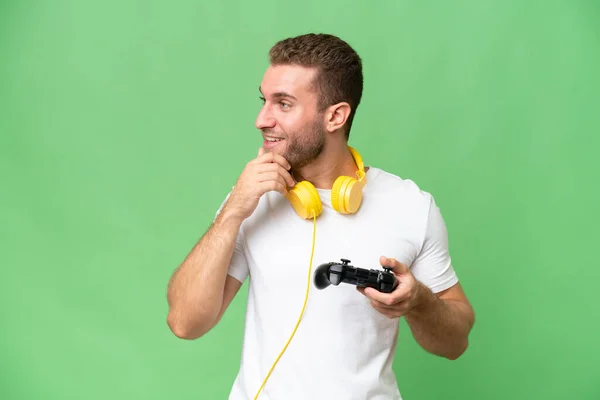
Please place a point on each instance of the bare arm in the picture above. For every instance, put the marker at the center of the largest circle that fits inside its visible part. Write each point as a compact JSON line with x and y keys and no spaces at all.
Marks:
{"x":441,"y":322}
{"x":200,"y":290}
{"x":196,"y":290}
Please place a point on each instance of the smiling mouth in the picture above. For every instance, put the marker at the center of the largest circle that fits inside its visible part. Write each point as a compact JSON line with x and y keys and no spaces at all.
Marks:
{"x":271,"y":143}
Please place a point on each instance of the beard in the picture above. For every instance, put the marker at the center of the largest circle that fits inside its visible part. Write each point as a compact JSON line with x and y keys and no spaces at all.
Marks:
{"x":305,"y":145}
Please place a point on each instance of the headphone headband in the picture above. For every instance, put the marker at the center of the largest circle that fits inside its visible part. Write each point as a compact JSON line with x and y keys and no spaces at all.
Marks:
{"x":359,"y":163}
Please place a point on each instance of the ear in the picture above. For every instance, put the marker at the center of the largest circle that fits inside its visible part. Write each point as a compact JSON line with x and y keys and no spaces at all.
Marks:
{"x":336,"y":116}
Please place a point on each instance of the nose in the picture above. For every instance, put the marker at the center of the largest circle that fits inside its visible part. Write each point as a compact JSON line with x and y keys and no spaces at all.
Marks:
{"x":264,"y":119}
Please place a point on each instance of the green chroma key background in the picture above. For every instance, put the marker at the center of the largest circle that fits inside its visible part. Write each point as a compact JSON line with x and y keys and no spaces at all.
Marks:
{"x":123,"y":124}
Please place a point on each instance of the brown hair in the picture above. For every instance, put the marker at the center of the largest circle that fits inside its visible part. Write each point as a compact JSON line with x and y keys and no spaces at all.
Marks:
{"x":339,"y":76}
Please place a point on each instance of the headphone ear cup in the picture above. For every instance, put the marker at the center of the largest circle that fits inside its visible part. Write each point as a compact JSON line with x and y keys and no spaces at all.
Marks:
{"x":353,"y":196}
{"x":305,"y":200}
{"x":339,"y":194}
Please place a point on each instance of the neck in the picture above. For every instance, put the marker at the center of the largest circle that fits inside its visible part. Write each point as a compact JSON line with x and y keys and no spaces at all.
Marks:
{"x":333,"y":162}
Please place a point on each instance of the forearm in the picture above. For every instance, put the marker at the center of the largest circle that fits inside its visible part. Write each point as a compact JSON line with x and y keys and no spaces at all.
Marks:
{"x":195,"y":292}
{"x":440,"y":326}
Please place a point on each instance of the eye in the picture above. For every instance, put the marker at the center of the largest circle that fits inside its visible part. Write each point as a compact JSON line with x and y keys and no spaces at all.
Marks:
{"x":284,"y":105}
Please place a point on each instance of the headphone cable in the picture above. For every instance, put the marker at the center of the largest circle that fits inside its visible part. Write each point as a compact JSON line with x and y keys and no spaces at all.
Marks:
{"x":312,"y":252}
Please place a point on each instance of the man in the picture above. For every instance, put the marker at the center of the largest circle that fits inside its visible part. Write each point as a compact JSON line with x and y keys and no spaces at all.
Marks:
{"x":345,"y":343}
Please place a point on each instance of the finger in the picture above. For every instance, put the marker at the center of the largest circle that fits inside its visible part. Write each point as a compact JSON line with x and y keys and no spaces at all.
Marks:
{"x":399,"y":294}
{"x":383,"y":306}
{"x":262,"y":157}
{"x":384,"y":298}
{"x":281,"y":161}
{"x":272,"y":176}
{"x":395,"y":308}
{"x":396,"y":266}
{"x":272,"y":185}
{"x":388,"y":313}
{"x":286,"y":176}
{"x":368,"y":293}
{"x":268,"y":157}
{"x":391,"y":311}
{"x":278,"y":169}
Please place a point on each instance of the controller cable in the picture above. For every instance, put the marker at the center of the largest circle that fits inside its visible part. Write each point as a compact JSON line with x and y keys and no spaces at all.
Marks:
{"x":312,"y":252}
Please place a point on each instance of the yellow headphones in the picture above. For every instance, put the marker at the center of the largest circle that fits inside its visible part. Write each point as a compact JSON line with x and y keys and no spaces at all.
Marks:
{"x":346,"y":193}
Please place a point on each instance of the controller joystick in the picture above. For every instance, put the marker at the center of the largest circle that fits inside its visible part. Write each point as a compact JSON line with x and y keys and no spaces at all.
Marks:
{"x":334,"y":273}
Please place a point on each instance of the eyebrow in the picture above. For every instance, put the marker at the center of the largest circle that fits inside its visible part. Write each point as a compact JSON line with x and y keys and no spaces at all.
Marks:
{"x":279,"y":94}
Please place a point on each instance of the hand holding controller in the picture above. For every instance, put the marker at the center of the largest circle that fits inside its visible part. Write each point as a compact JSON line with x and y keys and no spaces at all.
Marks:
{"x":333,"y":273}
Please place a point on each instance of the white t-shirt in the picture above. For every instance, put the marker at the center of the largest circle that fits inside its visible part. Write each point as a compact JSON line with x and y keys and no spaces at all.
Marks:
{"x":343,"y":348}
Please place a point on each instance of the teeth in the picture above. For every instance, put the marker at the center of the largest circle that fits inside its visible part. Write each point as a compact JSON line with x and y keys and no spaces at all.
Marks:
{"x":272,"y":140}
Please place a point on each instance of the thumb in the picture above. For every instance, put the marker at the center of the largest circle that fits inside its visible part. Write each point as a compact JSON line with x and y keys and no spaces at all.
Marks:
{"x":261,"y":151}
{"x":396,"y":266}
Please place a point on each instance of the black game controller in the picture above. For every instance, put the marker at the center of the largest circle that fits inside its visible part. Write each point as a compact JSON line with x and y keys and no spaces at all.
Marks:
{"x":333,"y":273}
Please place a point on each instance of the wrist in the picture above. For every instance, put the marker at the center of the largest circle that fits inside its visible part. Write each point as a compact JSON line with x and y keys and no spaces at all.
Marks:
{"x":229,"y":217}
{"x":424,"y":299}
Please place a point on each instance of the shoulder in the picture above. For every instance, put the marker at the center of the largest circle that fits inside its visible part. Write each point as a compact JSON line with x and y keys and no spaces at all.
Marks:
{"x":402,"y":189}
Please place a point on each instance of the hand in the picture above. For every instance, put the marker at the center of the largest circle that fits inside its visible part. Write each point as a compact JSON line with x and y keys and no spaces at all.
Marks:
{"x":402,"y":299}
{"x":267,"y":172}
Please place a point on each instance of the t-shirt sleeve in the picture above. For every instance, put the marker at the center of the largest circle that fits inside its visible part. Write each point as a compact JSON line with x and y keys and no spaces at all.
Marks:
{"x":433,"y":265}
{"x":238,"y":267}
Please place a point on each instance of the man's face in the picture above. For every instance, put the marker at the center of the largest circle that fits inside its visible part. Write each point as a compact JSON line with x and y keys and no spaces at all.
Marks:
{"x":290,"y":116}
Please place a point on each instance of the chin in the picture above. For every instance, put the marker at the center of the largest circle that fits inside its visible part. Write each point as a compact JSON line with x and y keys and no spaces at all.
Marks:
{"x":279,"y":149}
